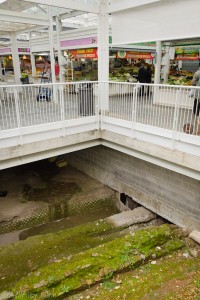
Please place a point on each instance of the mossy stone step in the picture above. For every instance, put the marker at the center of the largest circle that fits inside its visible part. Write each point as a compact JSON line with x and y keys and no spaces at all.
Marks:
{"x":91,"y":266}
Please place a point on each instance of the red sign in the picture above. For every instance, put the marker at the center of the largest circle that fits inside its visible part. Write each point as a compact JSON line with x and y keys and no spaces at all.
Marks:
{"x":187,"y":57}
{"x":83,"y":53}
{"x":135,"y":55}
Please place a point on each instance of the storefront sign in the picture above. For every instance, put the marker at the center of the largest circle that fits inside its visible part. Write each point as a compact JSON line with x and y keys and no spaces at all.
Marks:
{"x":83,"y":53}
{"x":5,"y":50}
{"x":146,"y":44}
{"x":25,"y":50}
{"x":187,"y":57}
{"x":186,"y":54}
{"x":78,"y":42}
{"x":135,"y":55}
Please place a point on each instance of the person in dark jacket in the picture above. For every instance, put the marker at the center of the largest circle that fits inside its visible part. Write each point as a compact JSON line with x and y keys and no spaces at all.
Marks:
{"x":148,"y":74}
{"x":142,"y":76}
{"x":148,"y":79}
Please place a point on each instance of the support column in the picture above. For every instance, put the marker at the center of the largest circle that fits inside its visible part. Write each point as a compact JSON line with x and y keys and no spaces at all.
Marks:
{"x":103,"y":54}
{"x":32,"y":56}
{"x":158,"y":62}
{"x":58,"y":30}
{"x":51,"y":45}
{"x":15,"y":57}
{"x":166,"y":67}
{"x":1,"y":76}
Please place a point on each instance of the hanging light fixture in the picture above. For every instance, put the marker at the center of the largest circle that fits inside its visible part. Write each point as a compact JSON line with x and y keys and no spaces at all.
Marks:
{"x":24,"y":57}
{"x":10,"y":57}
{"x":40,"y":57}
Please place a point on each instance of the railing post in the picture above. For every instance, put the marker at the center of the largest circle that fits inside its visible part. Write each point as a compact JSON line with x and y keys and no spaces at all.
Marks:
{"x":97,"y":104}
{"x":16,"y":98}
{"x":103,"y":98}
{"x":134,"y":108}
{"x":62,"y":109}
{"x":175,"y":120}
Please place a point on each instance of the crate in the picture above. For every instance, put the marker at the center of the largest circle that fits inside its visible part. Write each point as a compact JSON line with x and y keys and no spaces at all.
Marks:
{"x":61,"y":163}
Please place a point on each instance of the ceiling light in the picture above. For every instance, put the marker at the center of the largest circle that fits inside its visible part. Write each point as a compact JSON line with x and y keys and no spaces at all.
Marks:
{"x":24,"y":57}
{"x":2,"y":1}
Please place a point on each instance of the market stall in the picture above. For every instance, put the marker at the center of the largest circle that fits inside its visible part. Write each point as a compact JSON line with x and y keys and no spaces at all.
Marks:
{"x":126,"y":65}
{"x":183,"y":66}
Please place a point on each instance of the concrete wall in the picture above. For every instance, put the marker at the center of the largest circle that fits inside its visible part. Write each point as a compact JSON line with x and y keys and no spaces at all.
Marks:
{"x":174,"y":196}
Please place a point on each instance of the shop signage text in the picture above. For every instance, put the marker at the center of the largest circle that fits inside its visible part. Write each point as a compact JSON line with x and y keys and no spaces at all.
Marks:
{"x":26,"y":50}
{"x":135,"y":55}
{"x":83,"y":53}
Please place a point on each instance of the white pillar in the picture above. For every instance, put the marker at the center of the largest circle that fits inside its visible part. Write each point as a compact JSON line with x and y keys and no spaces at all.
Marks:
{"x":15,"y":57}
{"x":32,"y":56}
{"x":1,"y":76}
{"x":158,"y":62}
{"x":58,"y":30}
{"x":51,"y":45}
{"x":166,"y":61}
{"x":33,"y":66}
{"x":103,"y":53}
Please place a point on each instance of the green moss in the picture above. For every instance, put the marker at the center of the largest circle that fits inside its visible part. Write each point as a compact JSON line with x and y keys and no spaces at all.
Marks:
{"x":163,"y":280}
{"x":93,"y":265}
{"x":21,"y":258}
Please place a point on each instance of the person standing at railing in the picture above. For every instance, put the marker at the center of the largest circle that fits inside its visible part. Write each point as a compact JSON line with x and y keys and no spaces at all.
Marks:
{"x":196,"y":105}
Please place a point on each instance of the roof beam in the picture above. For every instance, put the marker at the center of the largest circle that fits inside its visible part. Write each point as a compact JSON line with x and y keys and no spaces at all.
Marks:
{"x":32,"y":28}
{"x":5,"y":30}
{"x":19,"y":17}
{"x":71,"y":14}
{"x":127,"y":4}
{"x":4,"y":33}
{"x":68,"y":4}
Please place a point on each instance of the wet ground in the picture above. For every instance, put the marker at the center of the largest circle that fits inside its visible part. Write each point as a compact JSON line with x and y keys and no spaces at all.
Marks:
{"x":46,"y":198}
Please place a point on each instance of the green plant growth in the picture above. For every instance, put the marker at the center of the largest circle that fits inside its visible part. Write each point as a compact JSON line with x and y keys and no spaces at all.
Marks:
{"x":21,"y":258}
{"x":168,"y":278}
{"x":100,"y":263}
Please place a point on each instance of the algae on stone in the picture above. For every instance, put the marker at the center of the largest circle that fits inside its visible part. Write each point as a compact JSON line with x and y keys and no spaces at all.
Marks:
{"x":171,"y":277}
{"x":19,"y":259}
{"x":86,"y":268}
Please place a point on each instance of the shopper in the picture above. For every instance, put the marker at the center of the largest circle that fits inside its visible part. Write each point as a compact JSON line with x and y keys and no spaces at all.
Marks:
{"x":196,"y":105}
{"x":142,"y":77}
{"x":148,"y":79}
{"x":57,"y":70}
{"x":142,"y":74}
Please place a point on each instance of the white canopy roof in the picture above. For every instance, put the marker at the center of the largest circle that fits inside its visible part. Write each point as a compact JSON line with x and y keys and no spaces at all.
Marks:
{"x":21,"y":17}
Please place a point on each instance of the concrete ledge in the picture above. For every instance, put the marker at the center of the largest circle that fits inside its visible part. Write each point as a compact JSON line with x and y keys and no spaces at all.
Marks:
{"x":181,"y":162}
{"x":17,"y":155}
{"x":128,"y":218}
{"x":195,"y":235}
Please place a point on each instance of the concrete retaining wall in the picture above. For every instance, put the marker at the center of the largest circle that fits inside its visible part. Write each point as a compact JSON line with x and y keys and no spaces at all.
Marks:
{"x":172,"y":195}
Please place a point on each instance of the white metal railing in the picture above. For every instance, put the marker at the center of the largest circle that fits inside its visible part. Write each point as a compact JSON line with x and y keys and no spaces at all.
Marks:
{"x":37,"y":104}
{"x":159,"y":109}
{"x":162,"y":107}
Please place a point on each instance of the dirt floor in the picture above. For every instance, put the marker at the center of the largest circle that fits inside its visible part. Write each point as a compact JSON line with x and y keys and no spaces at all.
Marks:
{"x":44,"y":186}
{"x":49,"y":184}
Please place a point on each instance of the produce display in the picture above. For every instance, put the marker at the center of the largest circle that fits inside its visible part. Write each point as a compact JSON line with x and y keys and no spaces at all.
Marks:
{"x":181,"y":78}
{"x":124,"y":74}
